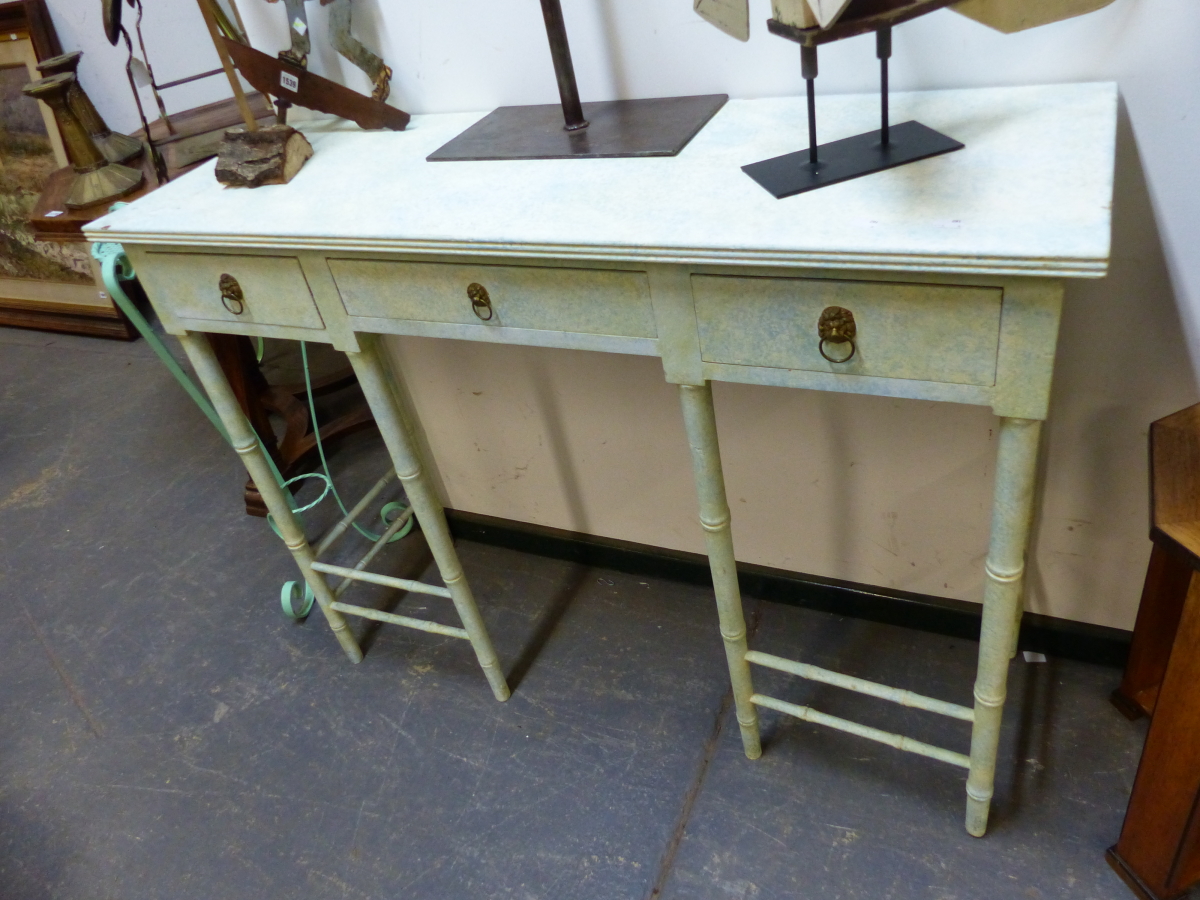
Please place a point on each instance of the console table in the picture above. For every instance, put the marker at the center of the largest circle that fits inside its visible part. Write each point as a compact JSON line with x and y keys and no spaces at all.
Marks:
{"x":951,"y":270}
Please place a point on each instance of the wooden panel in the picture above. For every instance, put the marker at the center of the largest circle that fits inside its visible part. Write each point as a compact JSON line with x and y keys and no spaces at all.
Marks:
{"x":581,"y":301}
{"x":942,"y":333}
{"x":100,"y":323}
{"x":1159,"y":840}
{"x":274,"y":288}
{"x":32,"y":18}
{"x":1174,"y":464}
{"x":1167,"y":580}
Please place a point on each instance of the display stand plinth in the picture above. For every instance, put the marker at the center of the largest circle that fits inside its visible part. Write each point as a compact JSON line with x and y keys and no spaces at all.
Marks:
{"x":660,"y":126}
{"x":863,"y":154}
{"x":876,"y":151}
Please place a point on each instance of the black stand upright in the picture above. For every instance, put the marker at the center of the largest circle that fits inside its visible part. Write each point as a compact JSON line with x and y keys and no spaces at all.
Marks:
{"x":612,"y":128}
{"x":863,"y":154}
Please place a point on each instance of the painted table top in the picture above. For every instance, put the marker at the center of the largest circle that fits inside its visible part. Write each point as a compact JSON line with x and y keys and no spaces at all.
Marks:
{"x":1030,"y":194}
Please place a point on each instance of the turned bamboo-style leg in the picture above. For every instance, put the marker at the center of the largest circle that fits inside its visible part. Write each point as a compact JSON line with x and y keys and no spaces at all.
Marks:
{"x":1019,"y":610}
{"x":700,"y":420}
{"x":426,"y":506}
{"x":246,"y":443}
{"x":1016,"y":471}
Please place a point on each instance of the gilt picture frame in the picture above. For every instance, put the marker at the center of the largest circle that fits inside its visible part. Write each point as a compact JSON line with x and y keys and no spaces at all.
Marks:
{"x":44,"y":284}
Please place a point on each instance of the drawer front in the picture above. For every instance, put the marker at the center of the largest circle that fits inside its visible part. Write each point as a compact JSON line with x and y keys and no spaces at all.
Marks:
{"x":262,"y":290}
{"x":582,"y":301}
{"x":925,"y":332}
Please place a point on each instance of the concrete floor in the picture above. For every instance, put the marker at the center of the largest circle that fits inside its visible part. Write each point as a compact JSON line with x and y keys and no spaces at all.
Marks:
{"x":166,"y":733}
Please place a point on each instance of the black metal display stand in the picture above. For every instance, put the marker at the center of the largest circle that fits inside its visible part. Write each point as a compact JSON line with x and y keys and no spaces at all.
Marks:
{"x":612,"y":128}
{"x":853,"y":157}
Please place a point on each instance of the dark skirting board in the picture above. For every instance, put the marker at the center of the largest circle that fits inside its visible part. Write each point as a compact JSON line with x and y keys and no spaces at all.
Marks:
{"x":1061,"y":638}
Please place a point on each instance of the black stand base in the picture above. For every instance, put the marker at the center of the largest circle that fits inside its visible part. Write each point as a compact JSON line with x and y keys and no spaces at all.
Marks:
{"x":852,"y":157}
{"x":618,"y":128}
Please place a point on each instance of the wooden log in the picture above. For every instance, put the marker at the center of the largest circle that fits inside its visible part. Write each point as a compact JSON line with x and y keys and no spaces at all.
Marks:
{"x":271,"y":155}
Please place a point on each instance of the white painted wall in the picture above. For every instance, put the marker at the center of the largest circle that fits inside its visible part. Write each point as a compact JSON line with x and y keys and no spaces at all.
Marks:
{"x":860,"y":488}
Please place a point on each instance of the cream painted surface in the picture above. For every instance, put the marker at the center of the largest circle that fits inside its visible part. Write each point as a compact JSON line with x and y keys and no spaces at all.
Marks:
{"x":910,"y":331}
{"x":274,"y":289}
{"x":1124,"y":351}
{"x":853,"y":487}
{"x":991,"y":210}
{"x":885,"y":491}
{"x":591,"y":301}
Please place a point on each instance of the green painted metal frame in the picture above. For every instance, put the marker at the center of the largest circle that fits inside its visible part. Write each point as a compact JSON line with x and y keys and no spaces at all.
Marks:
{"x":222,"y":410}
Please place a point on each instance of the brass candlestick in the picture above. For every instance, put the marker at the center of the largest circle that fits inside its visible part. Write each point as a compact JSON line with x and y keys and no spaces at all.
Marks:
{"x":96,"y":179}
{"x":117,"y":148}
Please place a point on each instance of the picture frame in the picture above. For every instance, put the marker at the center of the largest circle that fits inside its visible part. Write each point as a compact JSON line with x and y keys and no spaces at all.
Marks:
{"x":47,"y":278}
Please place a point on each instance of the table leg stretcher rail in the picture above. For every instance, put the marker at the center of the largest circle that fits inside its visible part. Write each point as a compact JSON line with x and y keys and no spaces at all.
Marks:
{"x":899,"y":741}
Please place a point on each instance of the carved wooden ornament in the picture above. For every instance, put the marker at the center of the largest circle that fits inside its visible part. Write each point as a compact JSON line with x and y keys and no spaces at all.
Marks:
{"x":733,"y":16}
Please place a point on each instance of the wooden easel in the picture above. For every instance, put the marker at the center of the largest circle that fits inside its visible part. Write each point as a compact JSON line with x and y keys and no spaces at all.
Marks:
{"x":289,"y":84}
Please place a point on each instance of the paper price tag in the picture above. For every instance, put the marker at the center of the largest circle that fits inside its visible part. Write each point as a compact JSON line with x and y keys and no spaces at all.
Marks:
{"x":53,"y":213}
{"x":299,"y":26}
{"x":289,"y":82}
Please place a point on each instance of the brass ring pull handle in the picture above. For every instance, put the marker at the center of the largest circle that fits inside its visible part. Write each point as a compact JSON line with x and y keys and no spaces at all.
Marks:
{"x":480,"y":301}
{"x":231,"y":295}
{"x":836,"y":326}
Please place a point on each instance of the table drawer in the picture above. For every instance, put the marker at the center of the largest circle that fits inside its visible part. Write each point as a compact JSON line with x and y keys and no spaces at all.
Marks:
{"x":925,"y":332}
{"x":260,"y":290}
{"x":581,"y":301}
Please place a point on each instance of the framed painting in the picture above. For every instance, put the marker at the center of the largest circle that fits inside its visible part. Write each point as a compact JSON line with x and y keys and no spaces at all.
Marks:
{"x":45,"y":284}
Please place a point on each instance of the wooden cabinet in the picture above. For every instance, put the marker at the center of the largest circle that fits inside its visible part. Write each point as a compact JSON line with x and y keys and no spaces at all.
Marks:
{"x":1158,"y":853}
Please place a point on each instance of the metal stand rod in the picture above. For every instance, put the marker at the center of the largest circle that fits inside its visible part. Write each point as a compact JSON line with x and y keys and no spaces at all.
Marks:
{"x":564,"y":70}
{"x":883,"y":50}
{"x":808,"y":68}
{"x":162,"y":110}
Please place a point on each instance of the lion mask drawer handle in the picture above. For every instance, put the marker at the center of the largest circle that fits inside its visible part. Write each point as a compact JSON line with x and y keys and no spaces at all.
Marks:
{"x":836,"y":326}
{"x":480,"y":301}
{"x":231,"y":295}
